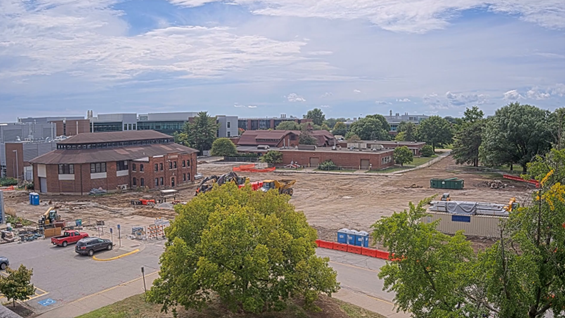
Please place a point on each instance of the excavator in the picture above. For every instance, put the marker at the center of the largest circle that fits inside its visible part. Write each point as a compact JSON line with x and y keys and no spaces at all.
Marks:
{"x":49,"y":217}
{"x":206,"y":186}
{"x":284,"y":186}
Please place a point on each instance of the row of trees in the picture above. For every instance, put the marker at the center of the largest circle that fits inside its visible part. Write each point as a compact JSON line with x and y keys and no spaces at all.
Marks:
{"x":513,"y":136}
{"x":522,"y":275}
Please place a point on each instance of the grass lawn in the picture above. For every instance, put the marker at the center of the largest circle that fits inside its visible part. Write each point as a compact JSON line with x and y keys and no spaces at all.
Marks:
{"x":136,"y":306}
{"x":342,"y":170}
{"x":389,"y":170}
{"x":290,"y":168}
{"x":418,"y":161}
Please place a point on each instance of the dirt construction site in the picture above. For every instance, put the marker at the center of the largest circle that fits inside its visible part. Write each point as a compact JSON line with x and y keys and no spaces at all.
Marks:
{"x":329,"y":201}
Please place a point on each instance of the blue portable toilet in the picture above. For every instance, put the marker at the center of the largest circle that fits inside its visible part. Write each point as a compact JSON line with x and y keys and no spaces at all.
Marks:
{"x":363,"y":239}
{"x":30,"y":200}
{"x":34,"y":198}
{"x":342,"y":236}
{"x":352,"y":237}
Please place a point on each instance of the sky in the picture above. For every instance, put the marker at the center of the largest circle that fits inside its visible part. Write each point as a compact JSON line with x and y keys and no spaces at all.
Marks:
{"x":257,"y":58}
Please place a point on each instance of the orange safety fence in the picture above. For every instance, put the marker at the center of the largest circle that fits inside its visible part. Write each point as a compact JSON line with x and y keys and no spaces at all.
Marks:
{"x":340,"y":247}
{"x":534,"y":182}
{"x":357,"y":250}
{"x":251,"y":168}
{"x":10,"y":188}
{"x":369,"y":252}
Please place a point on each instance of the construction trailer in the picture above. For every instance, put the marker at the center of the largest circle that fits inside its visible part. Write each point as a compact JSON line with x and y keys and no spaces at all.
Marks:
{"x":472,"y":225}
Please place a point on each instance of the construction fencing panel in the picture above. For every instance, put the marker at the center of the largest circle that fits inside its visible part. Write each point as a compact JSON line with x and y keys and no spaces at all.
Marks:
{"x":472,"y":225}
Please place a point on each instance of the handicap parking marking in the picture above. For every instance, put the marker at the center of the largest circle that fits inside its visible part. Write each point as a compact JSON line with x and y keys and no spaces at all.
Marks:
{"x":46,"y":302}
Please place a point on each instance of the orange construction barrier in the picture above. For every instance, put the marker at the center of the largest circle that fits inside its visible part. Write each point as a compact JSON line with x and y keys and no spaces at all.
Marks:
{"x":251,"y":168}
{"x":369,"y":252}
{"x":340,"y":247}
{"x":354,"y":249}
{"x":534,"y":182}
{"x":382,"y":255}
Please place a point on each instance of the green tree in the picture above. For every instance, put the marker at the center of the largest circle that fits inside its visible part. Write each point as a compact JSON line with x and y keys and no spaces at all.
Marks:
{"x":332,"y":121}
{"x":201,"y":132}
{"x":272,"y":157}
{"x":403,"y":155}
{"x":469,"y":137}
{"x":17,"y":286}
{"x":223,"y":147}
{"x":401,"y":136}
{"x":384,"y":123}
{"x":339,"y":129}
{"x":325,"y":127}
{"x":306,"y":138}
{"x":369,"y":128}
{"x":435,"y":131}
{"x":316,"y":115}
{"x":515,"y":134}
{"x":351,"y":137}
{"x":250,"y":248}
{"x":181,"y":138}
{"x":288,"y":125}
{"x":409,"y":129}
{"x":427,"y":151}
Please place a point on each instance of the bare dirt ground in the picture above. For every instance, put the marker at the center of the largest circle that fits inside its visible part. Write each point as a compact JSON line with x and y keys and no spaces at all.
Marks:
{"x":330,"y":202}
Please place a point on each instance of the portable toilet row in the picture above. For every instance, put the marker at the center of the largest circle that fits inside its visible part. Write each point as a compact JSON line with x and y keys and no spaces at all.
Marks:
{"x":34,"y":198}
{"x":352,"y":237}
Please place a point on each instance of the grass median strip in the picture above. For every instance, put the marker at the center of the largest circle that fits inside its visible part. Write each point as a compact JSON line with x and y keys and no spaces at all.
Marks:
{"x":115,"y":257}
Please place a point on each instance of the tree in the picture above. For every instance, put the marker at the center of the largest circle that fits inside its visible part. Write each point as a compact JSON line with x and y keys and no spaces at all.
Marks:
{"x":316,"y":115}
{"x":181,"y":138}
{"x":384,"y":123}
{"x":339,"y":129}
{"x":369,"y":128}
{"x":332,"y":121}
{"x":401,"y":136}
{"x":427,"y":151}
{"x":272,"y":156}
{"x":201,"y":132}
{"x":306,"y":138}
{"x":516,"y":134}
{"x":288,"y":125}
{"x":223,"y":147}
{"x":17,"y":286}
{"x":403,"y":155}
{"x":469,"y":137}
{"x":250,"y":248}
{"x":435,"y":131}
{"x":521,"y":275}
{"x":351,"y":137}
{"x":409,"y":129}
{"x":325,"y":127}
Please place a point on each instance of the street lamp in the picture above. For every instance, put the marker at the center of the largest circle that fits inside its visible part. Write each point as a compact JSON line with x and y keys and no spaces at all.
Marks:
{"x":17,"y":168}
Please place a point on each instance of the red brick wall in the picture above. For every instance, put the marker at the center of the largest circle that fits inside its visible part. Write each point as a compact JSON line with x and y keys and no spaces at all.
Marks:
{"x":71,"y":127}
{"x":11,"y":165}
{"x":350,"y":160}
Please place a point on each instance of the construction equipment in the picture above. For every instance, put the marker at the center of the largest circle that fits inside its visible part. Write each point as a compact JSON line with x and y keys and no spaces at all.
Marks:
{"x":445,"y":197}
{"x":48,"y":218}
{"x":284,"y":186}
{"x":512,"y":204}
{"x":206,"y":186}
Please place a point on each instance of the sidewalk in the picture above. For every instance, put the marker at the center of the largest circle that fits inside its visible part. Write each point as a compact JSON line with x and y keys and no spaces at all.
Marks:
{"x":373,"y":304}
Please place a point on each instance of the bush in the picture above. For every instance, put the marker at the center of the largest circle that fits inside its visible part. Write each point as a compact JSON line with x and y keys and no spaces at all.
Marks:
{"x":223,"y":147}
{"x":427,"y":151}
{"x":5,"y":182}
{"x":272,"y":157}
{"x":328,"y":165}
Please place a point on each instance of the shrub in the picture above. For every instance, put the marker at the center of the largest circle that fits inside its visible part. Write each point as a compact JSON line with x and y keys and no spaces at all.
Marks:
{"x":5,"y":182}
{"x":427,"y":151}
{"x":328,"y":165}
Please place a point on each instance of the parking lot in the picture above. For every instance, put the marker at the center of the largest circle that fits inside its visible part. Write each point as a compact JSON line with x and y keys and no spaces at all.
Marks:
{"x":61,"y":276}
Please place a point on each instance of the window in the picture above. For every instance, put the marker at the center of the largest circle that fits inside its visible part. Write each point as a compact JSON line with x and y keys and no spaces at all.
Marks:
{"x":161,"y":166}
{"x":156,"y":167}
{"x":142,"y":182}
{"x":229,"y":134}
{"x":188,"y":176}
{"x":156,"y":182}
{"x":184,"y":177}
{"x":97,"y":167}
{"x":170,"y":165}
{"x":125,"y":126}
{"x":188,"y":163}
{"x":162,"y":183}
{"x":229,"y":124}
{"x":175,"y":164}
{"x":141,"y":168}
{"x":134,"y":181}
{"x":133,"y":167}
{"x":184,"y":163}
{"x":122,"y":165}
{"x":66,"y":169}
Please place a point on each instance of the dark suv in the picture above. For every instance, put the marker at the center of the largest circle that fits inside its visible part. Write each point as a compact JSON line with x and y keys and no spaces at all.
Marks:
{"x":87,"y":246}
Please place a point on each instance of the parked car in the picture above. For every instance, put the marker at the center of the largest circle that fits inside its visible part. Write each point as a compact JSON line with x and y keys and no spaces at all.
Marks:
{"x":89,"y":245}
{"x":68,"y":237}
{"x":198,"y":176}
{"x":4,"y":262}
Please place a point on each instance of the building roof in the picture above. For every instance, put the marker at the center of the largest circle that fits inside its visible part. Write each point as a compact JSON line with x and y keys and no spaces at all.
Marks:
{"x":273,"y":137}
{"x":318,"y":149}
{"x":115,"y":136}
{"x":63,"y":156}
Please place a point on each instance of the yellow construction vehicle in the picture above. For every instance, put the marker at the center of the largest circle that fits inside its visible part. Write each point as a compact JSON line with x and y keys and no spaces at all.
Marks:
{"x":49,"y":217}
{"x":284,"y":186}
{"x":445,"y":197}
{"x":511,"y":205}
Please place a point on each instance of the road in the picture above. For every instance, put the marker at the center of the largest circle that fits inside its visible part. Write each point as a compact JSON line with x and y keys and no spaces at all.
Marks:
{"x":63,"y":276}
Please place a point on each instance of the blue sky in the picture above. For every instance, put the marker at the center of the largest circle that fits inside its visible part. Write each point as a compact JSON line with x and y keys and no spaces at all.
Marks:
{"x":257,"y":58}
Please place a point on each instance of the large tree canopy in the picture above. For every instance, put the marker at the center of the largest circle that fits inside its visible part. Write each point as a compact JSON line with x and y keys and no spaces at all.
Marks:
{"x":515,"y":134}
{"x":408,"y":130}
{"x":316,"y":115}
{"x":521,"y":275}
{"x":250,"y":248}
{"x":469,"y":136}
{"x":288,"y":125}
{"x":370,"y":128}
{"x":339,"y":129}
{"x":435,"y":131}
{"x":200,"y":133}
{"x":223,"y":147}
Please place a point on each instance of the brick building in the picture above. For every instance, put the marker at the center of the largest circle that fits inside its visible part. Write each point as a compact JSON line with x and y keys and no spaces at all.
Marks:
{"x":112,"y":160}
{"x":283,"y":138}
{"x":414,"y":146}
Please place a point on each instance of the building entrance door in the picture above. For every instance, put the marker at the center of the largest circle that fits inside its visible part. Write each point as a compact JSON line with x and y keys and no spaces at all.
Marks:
{"x":43,"y":185}
{"x":314,"y":162}
{"x":173,"y":182}
{"x":364,"y":164}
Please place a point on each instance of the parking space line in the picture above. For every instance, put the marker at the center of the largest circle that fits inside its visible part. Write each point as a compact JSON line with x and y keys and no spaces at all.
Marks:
{"x":115,"y":257}
{"x":36,"y":295}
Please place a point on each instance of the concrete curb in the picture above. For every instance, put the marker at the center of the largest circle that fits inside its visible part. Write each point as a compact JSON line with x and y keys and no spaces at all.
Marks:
{"x":115,"y":257}
{"x":425,"y":165}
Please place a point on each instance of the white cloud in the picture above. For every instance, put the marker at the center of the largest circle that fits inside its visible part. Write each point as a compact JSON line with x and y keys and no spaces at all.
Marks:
{"x":416,"y":16}
{"x":294,"y":98}
{"x":244,"y":106}
{"x":356,"y":91}
{"x":512,"y":95}
{"x":558,"y":89}
{"x":380,"y":102}
{"x":251,"y":106}
{"x":456,"y":99}
{"x":403,"y":100}
{"x":325,"y":106}
{"x":326,"y":94}
{"x":536,"y":93}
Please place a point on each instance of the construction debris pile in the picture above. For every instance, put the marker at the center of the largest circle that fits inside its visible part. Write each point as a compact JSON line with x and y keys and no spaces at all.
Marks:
{"x":495,"y":184}
{"x":473,"y":208}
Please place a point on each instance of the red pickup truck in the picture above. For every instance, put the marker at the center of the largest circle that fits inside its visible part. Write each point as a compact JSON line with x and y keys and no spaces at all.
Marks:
{"x":68,"y":237}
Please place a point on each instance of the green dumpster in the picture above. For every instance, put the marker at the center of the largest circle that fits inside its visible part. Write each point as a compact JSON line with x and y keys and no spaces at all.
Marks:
{"x":451,"y":183}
